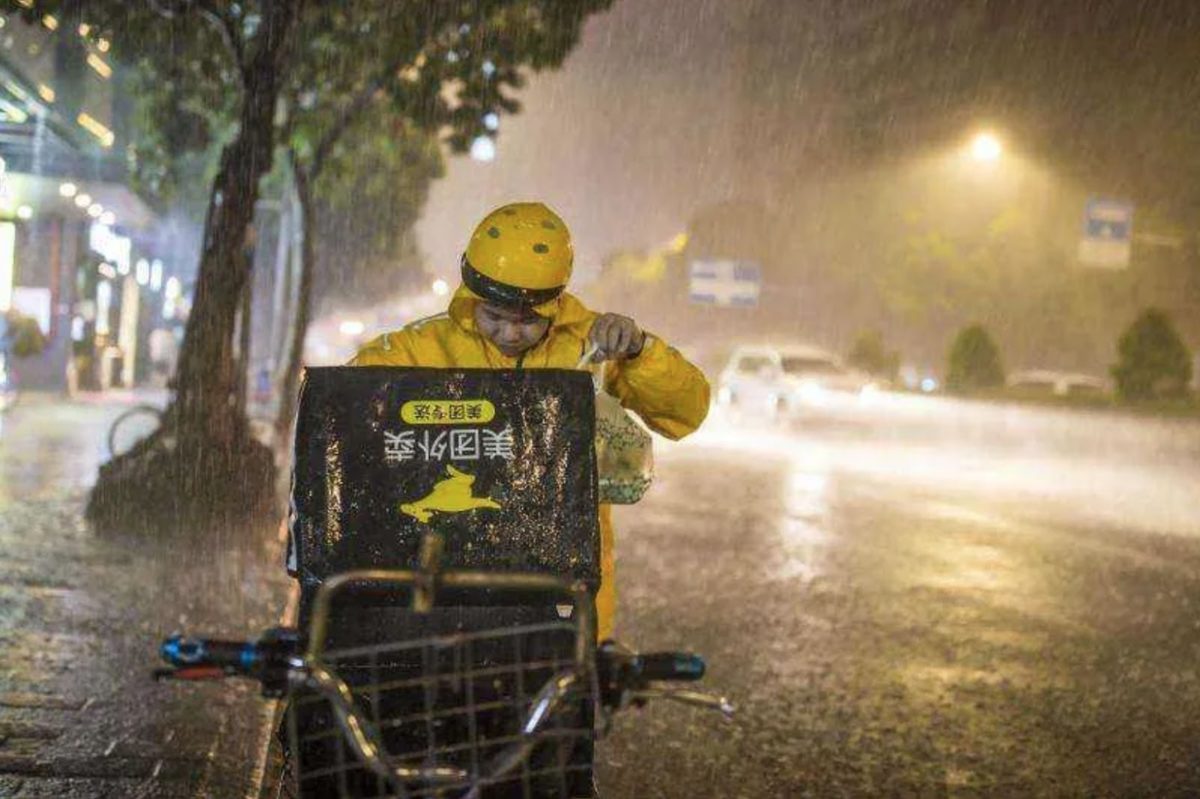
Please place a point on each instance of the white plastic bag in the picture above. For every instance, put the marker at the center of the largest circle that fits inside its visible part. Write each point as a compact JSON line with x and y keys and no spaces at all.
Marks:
{"x":624,"y":449}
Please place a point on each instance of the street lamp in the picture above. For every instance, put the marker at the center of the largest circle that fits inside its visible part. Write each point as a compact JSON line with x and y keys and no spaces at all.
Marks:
{"x":483,"y":149}
{"x":986,"y":147}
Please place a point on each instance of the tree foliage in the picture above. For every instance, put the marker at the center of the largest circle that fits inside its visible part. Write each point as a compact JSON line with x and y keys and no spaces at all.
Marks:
{"x":974,"y":362}
{"x":24,"y":335}
{"x":244,"y":78}
{"x":368,"y":199}
{"x":870,"y":354}
{"x":1153,"y":362}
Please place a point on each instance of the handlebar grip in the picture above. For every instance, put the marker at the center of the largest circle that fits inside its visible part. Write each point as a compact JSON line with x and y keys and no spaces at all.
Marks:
{"x":670,"y":666}
{"x":183,"y":652}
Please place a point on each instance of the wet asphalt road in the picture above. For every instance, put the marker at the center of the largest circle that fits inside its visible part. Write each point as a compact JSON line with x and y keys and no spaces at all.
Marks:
{"x":901,"y":619}
{"x":81,"y":616}
{"x":893,"y":615}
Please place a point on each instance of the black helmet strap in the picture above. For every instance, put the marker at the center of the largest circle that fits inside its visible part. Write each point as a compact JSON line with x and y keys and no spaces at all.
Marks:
{"x":499,"y":293}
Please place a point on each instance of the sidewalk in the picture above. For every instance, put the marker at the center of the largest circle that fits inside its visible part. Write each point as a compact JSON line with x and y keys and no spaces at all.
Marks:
{"x":81,"y":618}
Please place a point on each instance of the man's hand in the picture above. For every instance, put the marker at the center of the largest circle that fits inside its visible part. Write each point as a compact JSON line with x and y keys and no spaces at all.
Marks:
{"x":616,"y":338}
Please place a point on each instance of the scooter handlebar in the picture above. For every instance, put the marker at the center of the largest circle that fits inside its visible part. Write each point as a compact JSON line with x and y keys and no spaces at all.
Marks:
{"x":267,"y":660}
{"x":669,"y":666}
{"x":232,"y":657}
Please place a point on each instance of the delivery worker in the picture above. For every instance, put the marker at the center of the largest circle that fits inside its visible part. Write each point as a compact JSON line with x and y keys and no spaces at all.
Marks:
{"x":512,"y":312}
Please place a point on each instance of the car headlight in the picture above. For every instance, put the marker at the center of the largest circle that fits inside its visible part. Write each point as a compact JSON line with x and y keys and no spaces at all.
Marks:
{"x":811,"y":392}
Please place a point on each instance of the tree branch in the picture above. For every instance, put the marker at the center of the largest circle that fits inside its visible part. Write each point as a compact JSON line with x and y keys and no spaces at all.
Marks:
{"x":165,"y":13}
{"x":224,"y":25}
{"x":361,"y":102}
{"x":215,"y":17}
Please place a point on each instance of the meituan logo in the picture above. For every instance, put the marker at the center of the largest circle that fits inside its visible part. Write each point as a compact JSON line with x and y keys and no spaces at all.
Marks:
{"x":452,"y":494}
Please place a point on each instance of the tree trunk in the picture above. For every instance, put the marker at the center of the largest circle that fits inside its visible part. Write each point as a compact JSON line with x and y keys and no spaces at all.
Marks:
{"x":202,"y":471}
{"x":282,"y":306}
{"x":291,"y":376}
{"x":205,"y":410}
{"x":242,"y":375}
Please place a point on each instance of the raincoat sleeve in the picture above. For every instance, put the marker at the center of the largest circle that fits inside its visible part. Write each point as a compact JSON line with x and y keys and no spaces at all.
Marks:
{"x":390,"y":349}
{"x":661,"y":386}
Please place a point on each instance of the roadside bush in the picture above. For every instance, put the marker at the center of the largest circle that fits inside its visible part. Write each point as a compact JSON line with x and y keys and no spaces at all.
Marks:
{"x":25,"y":337}
{"x":869,"y":355}
{"x":1152,"y":360}
{"x":974,"y":362}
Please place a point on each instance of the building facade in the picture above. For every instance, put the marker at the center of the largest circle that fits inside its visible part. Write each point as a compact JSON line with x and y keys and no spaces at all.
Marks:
{"x":79,"y":250}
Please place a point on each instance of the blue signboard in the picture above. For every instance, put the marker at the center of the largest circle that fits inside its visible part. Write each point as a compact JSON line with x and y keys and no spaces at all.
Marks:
{"x":725,"y":282}
{"x":1107,"y":236}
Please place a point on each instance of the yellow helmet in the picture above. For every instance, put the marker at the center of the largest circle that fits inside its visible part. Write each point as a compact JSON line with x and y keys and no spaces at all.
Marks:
{"x":519,"y":255}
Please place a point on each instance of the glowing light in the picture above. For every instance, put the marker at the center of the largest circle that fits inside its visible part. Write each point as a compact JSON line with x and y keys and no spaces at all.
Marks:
{"x":172,"y":288}
{"x":14,"y":113}
{"x":928,"y":384}
{"x":156,"y":274}
{"x":143,"y":271}
{"x":103,"y":305}
{"x":46,"y":92}
{"x":83,"y":200}
{"x":108,"y":218}
{"x":811,"y":392}
{"x":351,"y":327}
{"x":107,"y":270}
{"x":491,"y":120}
{"x":51,"y":22}
{"x":113,"y":248}
{"x":102,"y":45}
{"x":67,"y":189}
{"x":94,"y":210}
{"x":483,"y":149}
{"x":986,"y":147}
{"x":440,"y":287}
{"x":97,"y":129}
{"x":100,"y":66}
{"x":24,"y":212}
{"x":84,"y":29}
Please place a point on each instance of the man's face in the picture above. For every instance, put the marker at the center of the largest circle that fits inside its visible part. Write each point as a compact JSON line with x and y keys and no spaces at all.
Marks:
{"x":512,"y":330}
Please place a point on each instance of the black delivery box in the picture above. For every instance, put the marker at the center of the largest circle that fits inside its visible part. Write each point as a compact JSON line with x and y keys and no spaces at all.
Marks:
{"x":501,"y":463}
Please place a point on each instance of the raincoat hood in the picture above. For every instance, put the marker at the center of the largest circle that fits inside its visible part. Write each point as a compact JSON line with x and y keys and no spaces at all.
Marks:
{"x":564,"y":312}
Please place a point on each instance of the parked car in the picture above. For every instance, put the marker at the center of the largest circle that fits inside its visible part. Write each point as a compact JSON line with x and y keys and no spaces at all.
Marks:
{"x":1044,"y":382}
{"x":788,"y":381}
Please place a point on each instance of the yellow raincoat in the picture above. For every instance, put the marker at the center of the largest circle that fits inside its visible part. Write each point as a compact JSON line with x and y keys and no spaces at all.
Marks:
{"x":659,"y":385}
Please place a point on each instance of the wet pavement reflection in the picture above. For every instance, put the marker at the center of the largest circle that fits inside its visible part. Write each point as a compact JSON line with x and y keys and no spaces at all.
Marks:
{"x":899,"y":618}
{"x":80,"y":620}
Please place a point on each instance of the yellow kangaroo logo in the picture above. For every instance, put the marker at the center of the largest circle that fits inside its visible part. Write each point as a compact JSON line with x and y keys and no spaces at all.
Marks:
{"x":450,"y":495}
